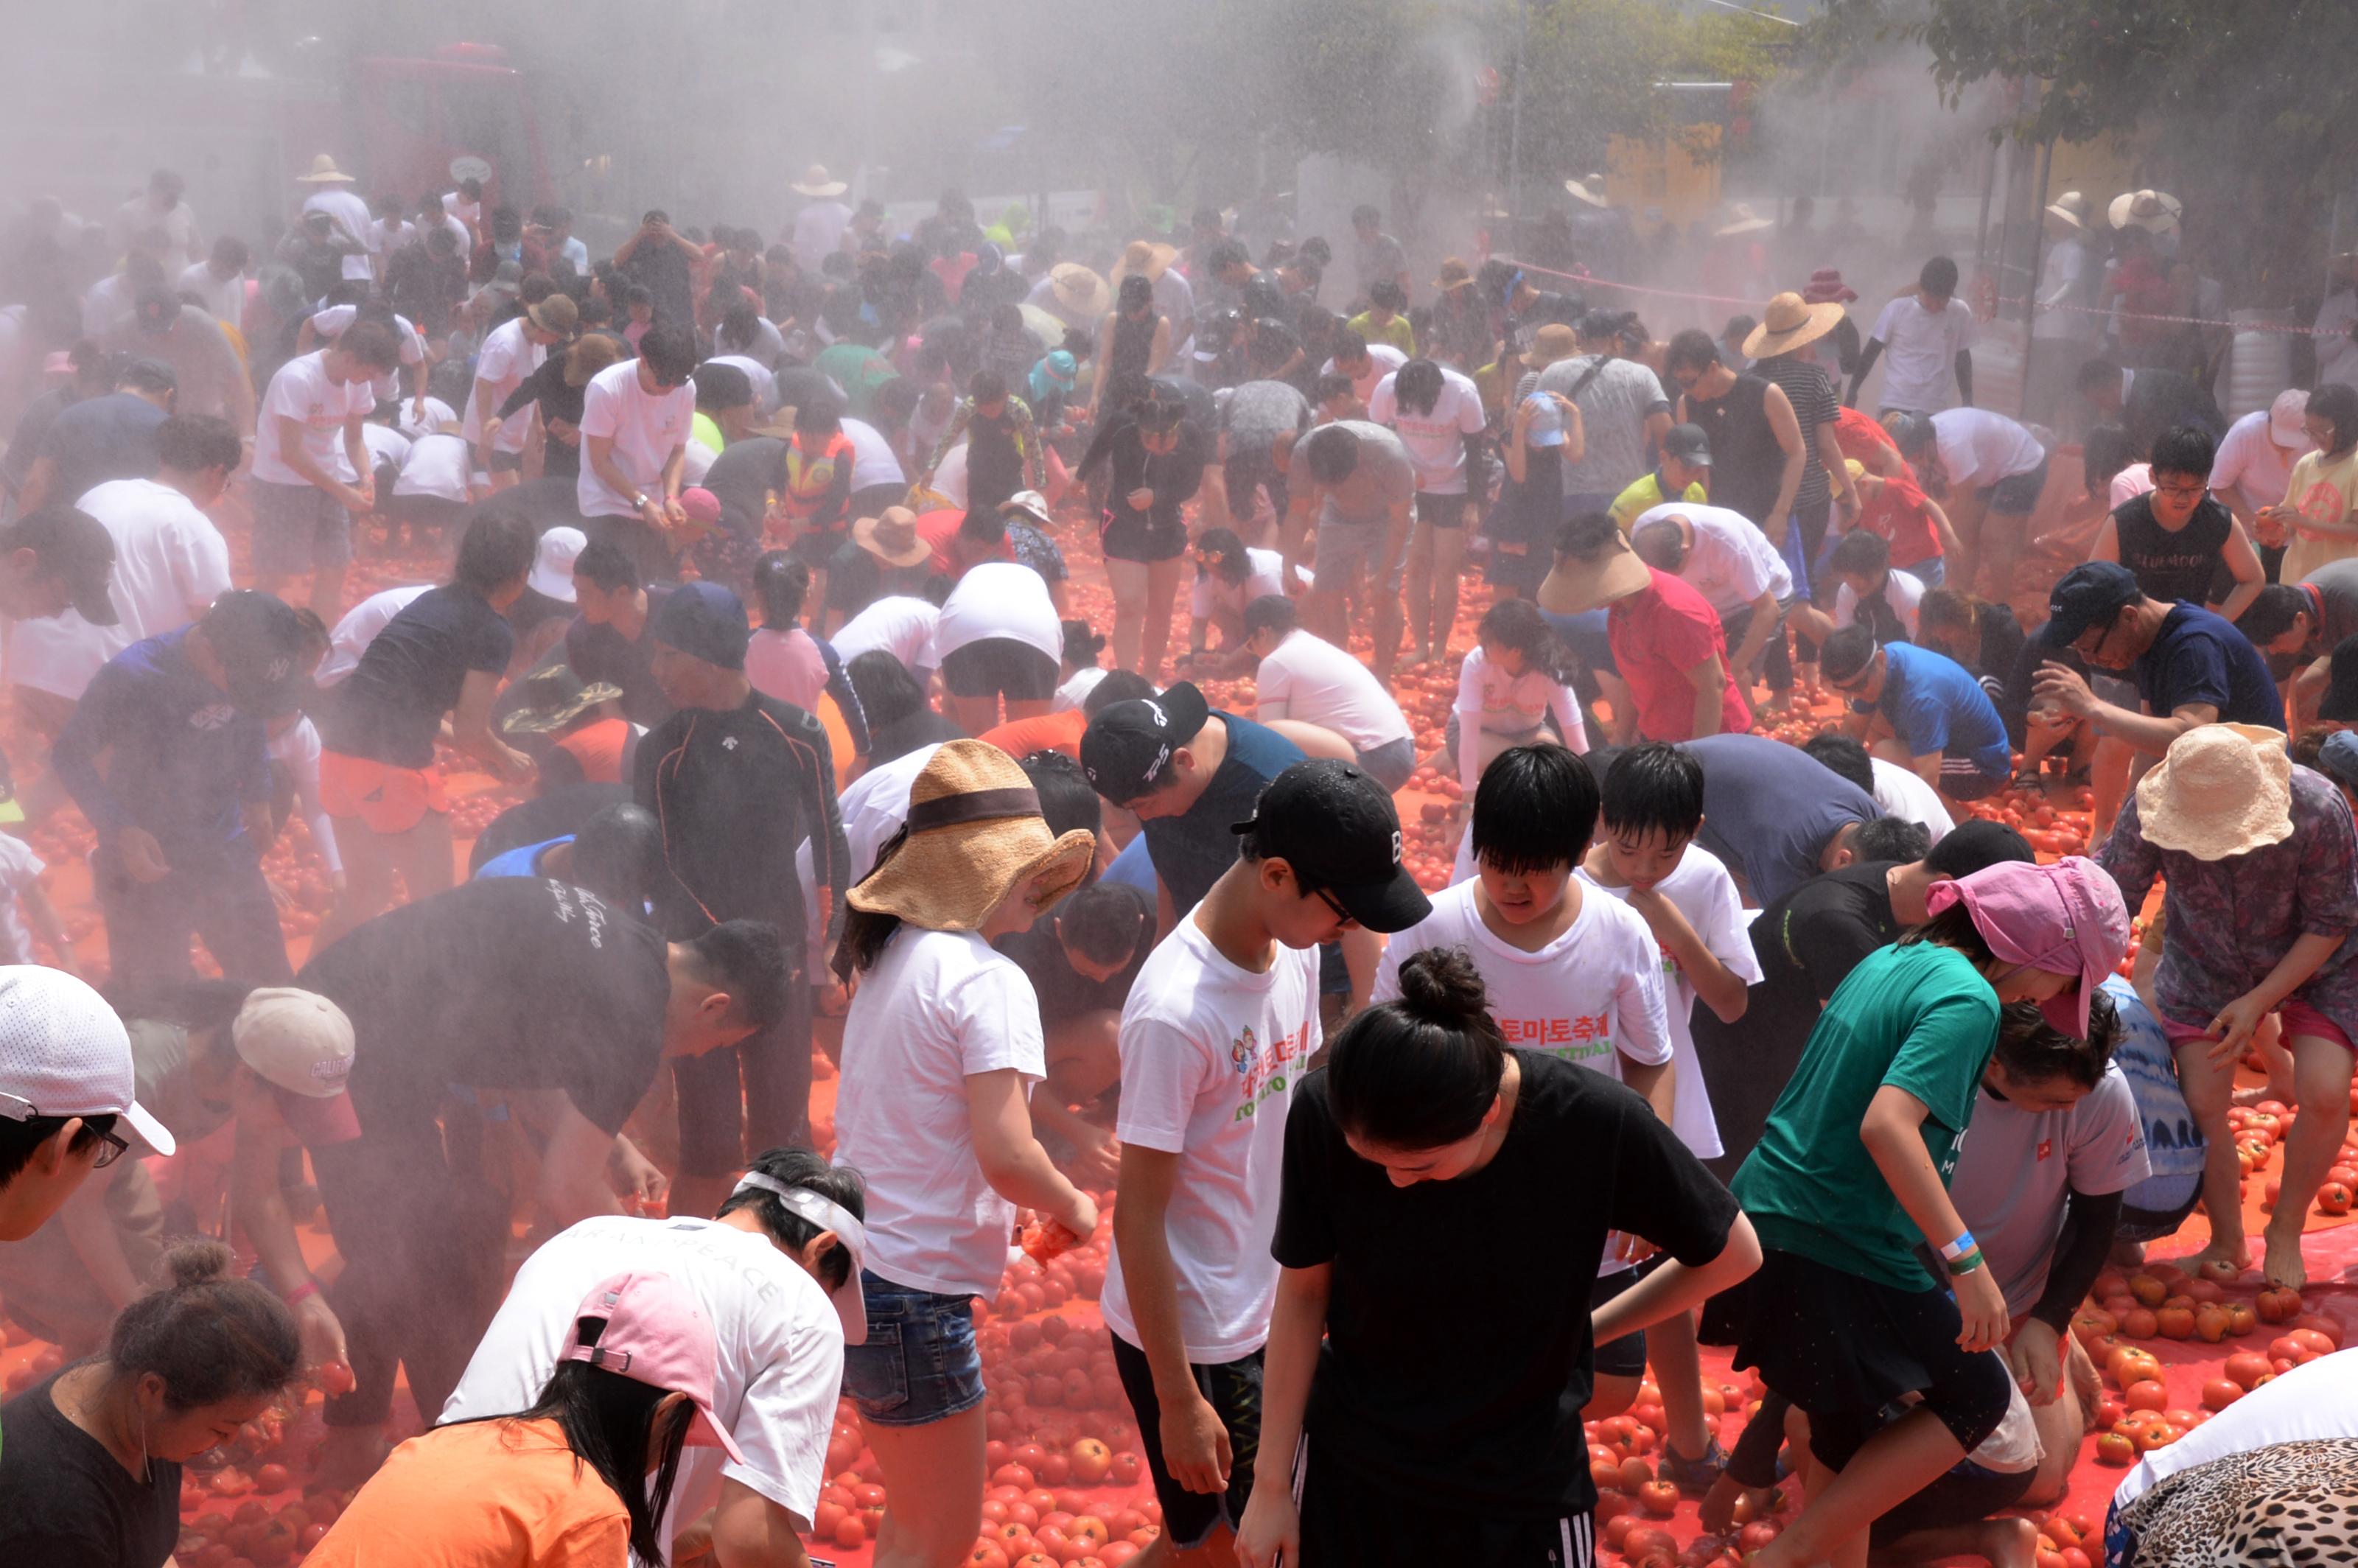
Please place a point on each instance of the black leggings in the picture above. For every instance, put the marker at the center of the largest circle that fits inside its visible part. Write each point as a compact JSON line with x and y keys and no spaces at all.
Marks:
{"x":1812,"y":519}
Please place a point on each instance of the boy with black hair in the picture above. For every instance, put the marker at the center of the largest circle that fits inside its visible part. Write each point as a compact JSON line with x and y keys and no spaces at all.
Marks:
{"x":1930,"y":334}
{"x":1922,"y":711}
{"x":1083,"y":960}
{"x":1869,"y":588}
{"x":608,"y":641}
{"x":1898,"y":791}
{"x":1650,"y":807}
{"x":1216,"y":1032}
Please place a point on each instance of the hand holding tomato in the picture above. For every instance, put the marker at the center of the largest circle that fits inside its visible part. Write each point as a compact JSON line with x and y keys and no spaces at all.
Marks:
{"x":1982,"y":1305}
{"x":1271,"y":1525}
{"x":2234,"y":1026}
{"x":2037,"y":1361}
{"x":1196,"y":1443}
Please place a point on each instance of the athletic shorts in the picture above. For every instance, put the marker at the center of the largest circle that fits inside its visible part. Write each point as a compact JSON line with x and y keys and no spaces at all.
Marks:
{"x":1001,"y":667}
{"x":1233,"y":1391}
{"x":1347,"y":552}
{"x":498,"y":461}
{"x":1391,"y":764}
{"x":386,"y":799}
{"x":1353,"y":1519}
{"x":2016,"y":494}
{"x":1960,"y":780}
{"x":1142,"y":536}
{"x":1624,"y":1357}
{"x":1442,"y":511}
{"x":919,"y":1365}
{"x":297,"y":528}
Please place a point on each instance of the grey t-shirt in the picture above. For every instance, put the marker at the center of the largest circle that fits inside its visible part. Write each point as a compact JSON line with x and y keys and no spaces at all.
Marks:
{"x":1768,"y":809}
{"x":207,"y":368}
{"x":1614,"y":407}
{"x":1383,"y":482}
{"x":1256,"y":413}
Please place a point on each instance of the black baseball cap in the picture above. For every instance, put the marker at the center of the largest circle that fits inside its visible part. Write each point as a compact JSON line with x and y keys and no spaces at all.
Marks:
{"x":73,"y":546}
{"x":704,"y":621}
{"x":2090,"y":594}
{"x":1689,"y":444}
{"x":1128,"y":744}
{"x":258,"y":637}
{"x":1335,"y":826}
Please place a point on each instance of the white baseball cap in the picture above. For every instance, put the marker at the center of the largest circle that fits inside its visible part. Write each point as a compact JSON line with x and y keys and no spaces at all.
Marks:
{"x":64,"y":1053}
{"x":552,"y":573}
{"x":2289,"y":418}
{"x":297,"y":1040}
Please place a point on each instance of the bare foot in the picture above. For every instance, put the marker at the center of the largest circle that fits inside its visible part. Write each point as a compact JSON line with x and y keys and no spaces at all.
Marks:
{"x":2284,"y":1265}
{"x":2234,"y":1254}
{"x":2008,"y":1542}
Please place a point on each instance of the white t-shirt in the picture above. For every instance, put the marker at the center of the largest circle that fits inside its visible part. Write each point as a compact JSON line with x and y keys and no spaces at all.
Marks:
{"x":1264,"y":574}
{"x":470,"y":213}
{"x":1382,"y":359}
{"x":2015,"y":1166}
{"x":900,"y":624}
{"x":170,"y":564}
{"x":777,"y":1345}
{"x":2137,"y":479}
{"x":1490,"y":700}
{"x":1704,"y":892}
{"x":1077,"y":688}
{"x":331,"y":322}
{"x":646,"y":428}
{"x":818,"y":232}
{"x":437,"y":465}
{"x":2252,"y":465}
{"x":224,"y":297}
{"x":764,"y":380}
{"x":385,"y":444}
{"x":1592,"y":993}
{"x":873,"y":461}
{"x":20,"y":870}
{"x":2310,"y":1403}
{"x":359,"y":628}
{"x":439,"y":416}
{"x":506,"y":357}
{"x":2060,"y":291}
{"x":938,"y":1008}
{"x":298,"y":747}
{"x":1320,"y":683}
{"x":1904,"y":592}
{"x":998,"y":599}
{"x":302,"y":391}
{"x":1435,"y":441}
{"x":1919,"y":352}
{"x":875,"y":804}
{"x":1903,"y":793}
{"x":1978,"y":447}
{"x":1731,"y":563}
{"x":1210,"y":1057}
{"x":352,"y":216}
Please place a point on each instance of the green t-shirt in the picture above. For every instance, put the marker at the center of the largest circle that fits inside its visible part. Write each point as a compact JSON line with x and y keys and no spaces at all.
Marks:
{"x":1396,"y":331}
{"x":1646,"y":494}
{"x":1917,"y":1017}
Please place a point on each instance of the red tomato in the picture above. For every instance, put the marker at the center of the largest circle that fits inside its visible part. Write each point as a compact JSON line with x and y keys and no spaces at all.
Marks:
{"x":1012,"y":1475}
{"x":2335,"y":1197}
{"x":2277,"y":1303}
{"x":986,"y":1554}
{"x":2246,"y":1368}
{"x":2218,"y":1394}
{"x":1660,"y":1498}
{"x":2112,"y":1448}
{"x":273,"y":1479}
{"x":1755,"y":1536}
{"x":335,"y":1378}
{"x":2148,"y":1395}
{"x":1091,"y":1460}
{"x":1127,"y":1468}
{"x":1636,"y":1473}
{"x":849,"y":1530}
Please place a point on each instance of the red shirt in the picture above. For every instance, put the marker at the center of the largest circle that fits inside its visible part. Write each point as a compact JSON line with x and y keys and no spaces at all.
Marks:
{"x":936,"y":528}
{"x":1658,"y":635}
{"x":1019,"y":738}
{"x":1904,"y":518}
{"x":1861,"y":438}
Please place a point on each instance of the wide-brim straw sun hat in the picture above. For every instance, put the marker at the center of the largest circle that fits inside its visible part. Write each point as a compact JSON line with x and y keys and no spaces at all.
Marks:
{"x":974,"y":833}
{"x":1788,"y":321}
{"x":2222,"y":790}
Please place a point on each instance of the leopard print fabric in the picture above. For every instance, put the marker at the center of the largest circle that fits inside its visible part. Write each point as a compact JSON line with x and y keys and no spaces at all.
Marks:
{"x":2289,"y":1504}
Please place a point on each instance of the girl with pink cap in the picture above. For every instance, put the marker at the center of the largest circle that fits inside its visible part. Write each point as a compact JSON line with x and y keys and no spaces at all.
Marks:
{"x":1850,"y":1181}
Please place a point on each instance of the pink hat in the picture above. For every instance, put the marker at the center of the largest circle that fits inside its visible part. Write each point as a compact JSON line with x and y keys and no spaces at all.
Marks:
{"x":2066,"y":918}
{"x":654,"y":1334}
{"x":701,"y":505}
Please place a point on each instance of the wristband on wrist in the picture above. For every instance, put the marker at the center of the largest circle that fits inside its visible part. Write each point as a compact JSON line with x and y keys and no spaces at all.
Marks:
{"x":1964,"y":1244}
{"x":1966,"y":1265}
{"x":300,"y":1293}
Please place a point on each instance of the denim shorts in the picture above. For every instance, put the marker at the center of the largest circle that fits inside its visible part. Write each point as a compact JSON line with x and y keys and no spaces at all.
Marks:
{"x":919,"y":1365}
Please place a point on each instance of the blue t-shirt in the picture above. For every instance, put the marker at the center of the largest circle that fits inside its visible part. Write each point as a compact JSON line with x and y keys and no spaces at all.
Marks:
{"x":1934,"y":704}
{"x":1768,"y":809}
{"x":1134,"y":867}
{"x":2175,"y":1147}
{"x":524,"y":860}
{"x":2200,"y":657}
{"x":1193,"y":848}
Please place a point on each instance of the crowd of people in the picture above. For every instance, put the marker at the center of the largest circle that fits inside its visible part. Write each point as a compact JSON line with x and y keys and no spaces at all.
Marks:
{"x":758,"y":585}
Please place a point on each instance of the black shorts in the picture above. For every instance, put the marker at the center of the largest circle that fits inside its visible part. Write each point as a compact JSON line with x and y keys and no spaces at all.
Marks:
{"x":1624,"y":1357}
{"x":498,"y":461}
{"x":1353,"y":1519}
{"x":1001,"y":667}
{"x":2016,"y":494}
{"x":1136,"y":536}
{"x":1233,"y":1389}
{"x":817,"y":547}
{"x":1442,"y":511}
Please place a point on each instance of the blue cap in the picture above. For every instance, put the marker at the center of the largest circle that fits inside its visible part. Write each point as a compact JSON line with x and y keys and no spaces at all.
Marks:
{"x":2090,"y":594}
{"x":1547,"y":422}
{"x":704,"y":621}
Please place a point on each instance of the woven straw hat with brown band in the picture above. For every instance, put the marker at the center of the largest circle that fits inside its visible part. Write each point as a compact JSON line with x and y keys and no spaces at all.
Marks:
{"x":974,"y":835}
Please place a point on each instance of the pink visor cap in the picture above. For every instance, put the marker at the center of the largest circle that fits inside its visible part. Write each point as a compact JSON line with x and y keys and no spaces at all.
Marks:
{"x":2066,"y":918}
{"x":655,"y":1334}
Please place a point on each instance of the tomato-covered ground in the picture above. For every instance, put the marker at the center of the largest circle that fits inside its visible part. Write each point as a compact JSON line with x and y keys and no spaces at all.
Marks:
{"x":1064,"y":1467}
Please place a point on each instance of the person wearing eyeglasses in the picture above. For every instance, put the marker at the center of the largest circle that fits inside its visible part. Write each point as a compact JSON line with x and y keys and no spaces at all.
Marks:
{"x":634,"y":428}
{"x":1922,"y":711}
{"x":65,"y":1077}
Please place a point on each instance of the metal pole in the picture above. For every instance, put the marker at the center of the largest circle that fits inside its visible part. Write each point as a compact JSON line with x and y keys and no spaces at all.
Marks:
{"x":1515,"y":111}
{"x":2031,"y":293}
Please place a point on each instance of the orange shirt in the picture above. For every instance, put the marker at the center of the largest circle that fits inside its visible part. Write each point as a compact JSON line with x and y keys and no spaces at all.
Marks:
{"x":1019,"y":738}
{"x":598,"y":749}
{"x":491,"y":1494}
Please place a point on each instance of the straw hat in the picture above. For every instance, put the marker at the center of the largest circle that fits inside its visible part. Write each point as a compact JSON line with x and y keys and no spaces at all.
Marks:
{"x":324,"y":172}
{"x":1747,"y":222}
{"x":815,"y":182}
{"x":1078,"y":289}
{"x":1576,"y":585}
{"x":2155,"y":212}
{"x":2224,"y":789}
{"x":1590,"y":188}
{"x":1454,"y":273}
{"x":555,"y":698}
{"x":1146,"y":259}
{"x":974,"y":833}
{"x":892,"y":537}
{"x":2071,"y":208}
{"x":1552,"y":342}
{"x":1787,"y":322}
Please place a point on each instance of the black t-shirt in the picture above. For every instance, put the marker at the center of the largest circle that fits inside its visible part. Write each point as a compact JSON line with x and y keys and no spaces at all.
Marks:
{"x":856,"y":579}
{"x":507,"y":983}
{"x":663,"y":267}
{"x":803,"y":386}
{"x":1192,"y":850}
{"x":1462,"y":1382}
{"x":66,"y":1502}
{"x":708,"y":776}
{"x":552,"y":815}
{"x":2172,"y":565}
{"x":743,"y":479}
{"x":391,"y":707}
{"x":601,"y":653}
{"x":1065,"y":992}
{"x":1807,"y":942}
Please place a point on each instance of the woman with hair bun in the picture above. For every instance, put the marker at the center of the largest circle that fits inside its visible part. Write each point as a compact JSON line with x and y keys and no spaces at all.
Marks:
{"x":1445,"y":1204}
{"x":90,"y":1460}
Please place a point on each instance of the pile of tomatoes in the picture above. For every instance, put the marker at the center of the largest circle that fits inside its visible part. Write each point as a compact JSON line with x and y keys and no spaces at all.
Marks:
{"x":2258,"y":1130}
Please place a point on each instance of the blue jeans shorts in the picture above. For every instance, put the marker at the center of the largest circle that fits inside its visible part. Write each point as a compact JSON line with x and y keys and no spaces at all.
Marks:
{"x":919,"y":1365}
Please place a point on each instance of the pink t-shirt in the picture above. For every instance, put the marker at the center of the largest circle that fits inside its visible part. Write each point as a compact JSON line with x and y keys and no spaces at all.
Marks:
{"x":786,"y":666}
